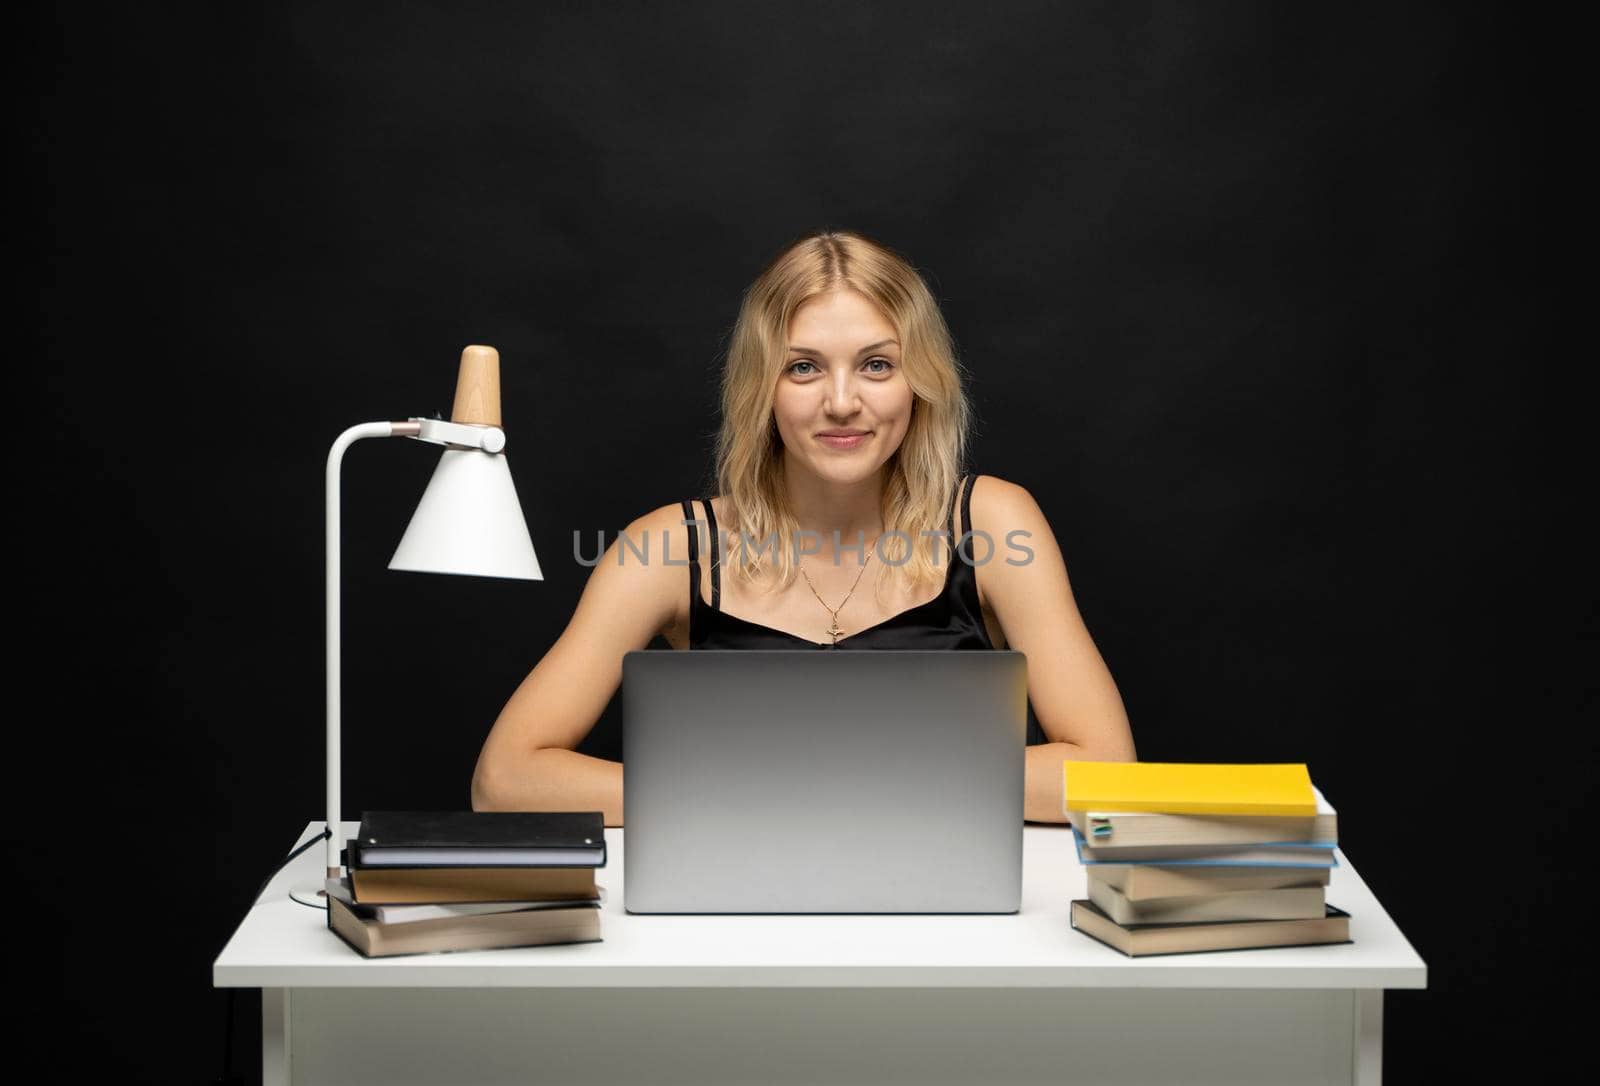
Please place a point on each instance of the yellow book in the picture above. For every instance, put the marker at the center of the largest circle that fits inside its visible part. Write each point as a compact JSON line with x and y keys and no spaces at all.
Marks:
{"x":1189,"y":788}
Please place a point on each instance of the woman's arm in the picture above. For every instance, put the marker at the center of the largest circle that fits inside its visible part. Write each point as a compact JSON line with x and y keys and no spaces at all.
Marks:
{"x":528,"y":762}
{"x":1072,"y":691}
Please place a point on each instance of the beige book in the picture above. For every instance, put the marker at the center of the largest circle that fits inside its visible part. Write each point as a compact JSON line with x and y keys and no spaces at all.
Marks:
{"x":1108,"y":831}
{"x":522,"y":927}
{"x":432,"y":885}
{"x":1305,"y":855}
{"x":1295,"y":903}
{"x":1138,"y":940}
{"x":1139,"y":882}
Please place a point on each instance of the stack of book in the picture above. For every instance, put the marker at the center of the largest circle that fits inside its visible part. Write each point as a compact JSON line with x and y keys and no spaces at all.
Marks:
{"x":428,"y":881}
{"x":1183,"y":858}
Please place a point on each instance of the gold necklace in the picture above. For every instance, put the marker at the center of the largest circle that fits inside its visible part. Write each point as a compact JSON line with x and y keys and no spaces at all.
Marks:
{"x":833,"y":628}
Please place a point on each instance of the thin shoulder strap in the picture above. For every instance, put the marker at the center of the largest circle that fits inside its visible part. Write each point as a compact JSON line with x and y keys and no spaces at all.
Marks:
{"x":694,"y":552}
{"x":694,"y":542}
{"x":966,"y":515}
{"x":716,"y":557}
{"x":950,"y":510}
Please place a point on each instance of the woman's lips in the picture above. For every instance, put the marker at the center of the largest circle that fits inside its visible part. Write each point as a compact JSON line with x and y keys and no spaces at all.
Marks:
{"x":836,"y":442}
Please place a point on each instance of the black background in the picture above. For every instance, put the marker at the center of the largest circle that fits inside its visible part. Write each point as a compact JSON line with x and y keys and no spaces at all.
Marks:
{"x":1252,"y":298}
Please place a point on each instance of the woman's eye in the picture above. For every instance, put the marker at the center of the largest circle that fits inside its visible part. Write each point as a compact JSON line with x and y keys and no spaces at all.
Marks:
{"x":802,"y":362}
{"x":887,"y":365}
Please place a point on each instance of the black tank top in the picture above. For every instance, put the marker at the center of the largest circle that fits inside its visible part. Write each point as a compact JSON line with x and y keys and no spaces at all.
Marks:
{"x":951,"y":620}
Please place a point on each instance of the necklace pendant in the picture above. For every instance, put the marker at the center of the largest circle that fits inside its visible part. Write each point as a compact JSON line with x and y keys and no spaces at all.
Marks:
{"x":834,"y":631}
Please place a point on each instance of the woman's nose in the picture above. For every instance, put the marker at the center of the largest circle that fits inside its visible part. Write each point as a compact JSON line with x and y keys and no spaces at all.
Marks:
{"x":842,"y":395}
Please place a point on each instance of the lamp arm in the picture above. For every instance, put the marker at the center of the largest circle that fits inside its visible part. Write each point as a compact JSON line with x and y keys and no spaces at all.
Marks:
{"x":490,"y":439}
{"x":331,"y":586}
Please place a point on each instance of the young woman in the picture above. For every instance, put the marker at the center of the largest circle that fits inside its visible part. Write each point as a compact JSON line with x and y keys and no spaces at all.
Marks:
{"x":844,"y":429}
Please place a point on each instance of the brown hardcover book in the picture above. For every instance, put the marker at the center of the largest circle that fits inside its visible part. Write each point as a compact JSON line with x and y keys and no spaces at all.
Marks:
{"x":433,"y":885}
{"x":485,"y":931}
{"x":1141,"y":940}
{"x":1288,"y":903}
{"x":1139,"y":882}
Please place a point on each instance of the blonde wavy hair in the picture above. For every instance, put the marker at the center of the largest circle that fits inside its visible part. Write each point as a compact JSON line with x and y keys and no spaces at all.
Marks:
{"x":922,"y":473}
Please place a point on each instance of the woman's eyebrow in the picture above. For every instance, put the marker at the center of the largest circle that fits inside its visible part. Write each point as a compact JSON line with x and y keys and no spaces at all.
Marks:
{"x":864,"y":350}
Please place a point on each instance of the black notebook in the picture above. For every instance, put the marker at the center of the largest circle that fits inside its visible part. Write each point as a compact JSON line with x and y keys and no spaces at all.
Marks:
{"x":479,"y":839}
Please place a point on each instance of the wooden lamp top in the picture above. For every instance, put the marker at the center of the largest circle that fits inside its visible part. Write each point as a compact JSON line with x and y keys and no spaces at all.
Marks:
{"x":478,"y":387}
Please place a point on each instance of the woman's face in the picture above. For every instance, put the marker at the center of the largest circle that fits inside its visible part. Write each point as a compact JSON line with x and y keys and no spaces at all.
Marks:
{"x":842,"y":373}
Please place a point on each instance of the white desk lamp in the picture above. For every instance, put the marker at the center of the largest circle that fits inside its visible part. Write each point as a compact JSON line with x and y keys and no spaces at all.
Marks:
{"x":468,"y":522}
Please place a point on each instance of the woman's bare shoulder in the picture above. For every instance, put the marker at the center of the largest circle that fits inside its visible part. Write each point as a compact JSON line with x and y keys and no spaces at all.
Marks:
{"x":670,"y":517}
{"x":667,"y":529}
{"x":661,"y":516}
{"x":662,"y":536}
{"x":998,"y":505}
{"x":991,"y":486}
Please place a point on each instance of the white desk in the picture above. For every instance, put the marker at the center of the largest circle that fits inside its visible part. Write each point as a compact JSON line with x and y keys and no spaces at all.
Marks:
{"x":835,"y":999}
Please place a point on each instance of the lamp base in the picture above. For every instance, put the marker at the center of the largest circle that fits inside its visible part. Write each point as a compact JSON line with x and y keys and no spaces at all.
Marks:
{"x":313,"y":894}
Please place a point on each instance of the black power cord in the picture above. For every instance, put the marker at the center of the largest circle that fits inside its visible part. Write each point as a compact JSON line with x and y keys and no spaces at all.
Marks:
{"x":229,"y":1077}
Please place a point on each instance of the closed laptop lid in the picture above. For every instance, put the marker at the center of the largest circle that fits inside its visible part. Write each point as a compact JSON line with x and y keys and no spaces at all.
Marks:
{"x":813,"y":781}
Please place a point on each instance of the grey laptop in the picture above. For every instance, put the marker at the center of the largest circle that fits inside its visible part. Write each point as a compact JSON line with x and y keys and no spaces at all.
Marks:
{"x":801,"y":781}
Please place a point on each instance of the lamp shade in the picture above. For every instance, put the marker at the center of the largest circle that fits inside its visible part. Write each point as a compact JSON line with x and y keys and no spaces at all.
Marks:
{"x":469,"y":522}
